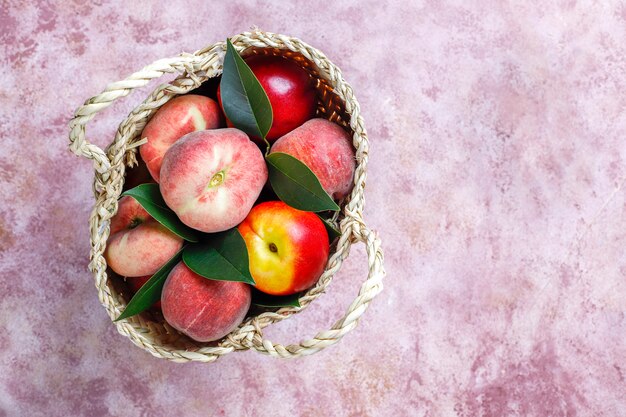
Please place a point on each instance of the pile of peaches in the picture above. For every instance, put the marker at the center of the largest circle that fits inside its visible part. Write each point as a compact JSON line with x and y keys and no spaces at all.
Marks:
{"x":215,"y":178}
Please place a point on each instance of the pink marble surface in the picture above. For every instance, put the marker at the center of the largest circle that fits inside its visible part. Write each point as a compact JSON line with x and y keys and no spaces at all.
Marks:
{"x":496,"y":182}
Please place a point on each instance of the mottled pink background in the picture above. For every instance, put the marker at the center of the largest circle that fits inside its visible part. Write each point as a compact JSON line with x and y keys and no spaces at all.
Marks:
{"x":496,"y":182}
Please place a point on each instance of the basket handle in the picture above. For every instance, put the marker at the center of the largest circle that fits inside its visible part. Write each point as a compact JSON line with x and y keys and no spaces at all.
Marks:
{"x":78,"y":142}
{"x":372,"y":286}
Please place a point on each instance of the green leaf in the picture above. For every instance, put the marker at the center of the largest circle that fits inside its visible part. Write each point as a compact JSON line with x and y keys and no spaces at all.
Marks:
{"x":271,"y":301}
{"x":224,"y":258}
{"x":150,"y":292}
{"x":333,"y":232}
{"x":295,"y":184}
{"x":149,"y":196}
{"x":243,"y":98}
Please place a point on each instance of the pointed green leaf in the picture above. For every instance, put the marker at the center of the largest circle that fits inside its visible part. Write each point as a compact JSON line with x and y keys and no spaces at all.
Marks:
{"x":244,"y":100}
{"x":295,"y":184}
{"x":149,"y":196}
{"x":333,"y":232}
{"x":150,"y":292}
{"x":272,"y":301}
{"x":224,"y":258}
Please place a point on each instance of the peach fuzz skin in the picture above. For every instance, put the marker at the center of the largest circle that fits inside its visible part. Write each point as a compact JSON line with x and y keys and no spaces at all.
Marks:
{"x":327,"y":150}
{"x":203,"y":309}
{"x":287,"y":248}
{"x":176,"y":118}
{"x":211,"y":178}
{"x":138,"y":245}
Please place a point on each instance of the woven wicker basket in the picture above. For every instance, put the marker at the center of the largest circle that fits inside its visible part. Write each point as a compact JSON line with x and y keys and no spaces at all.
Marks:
{"x":336,"y":102}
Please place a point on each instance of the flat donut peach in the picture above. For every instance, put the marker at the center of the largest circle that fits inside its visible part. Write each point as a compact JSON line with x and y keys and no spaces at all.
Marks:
{"x":211,"y":178}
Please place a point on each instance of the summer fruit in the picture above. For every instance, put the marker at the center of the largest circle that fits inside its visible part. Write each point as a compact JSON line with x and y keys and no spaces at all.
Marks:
{"x":176,"y":118}
{"x":327,"y":150}
{"x":138,"y":245}
{"x":203,"y":309}
{"x":287,"y":248}
{"x":290,"y":90}
{"x":135,"y":284}
{"x":212,"y":178}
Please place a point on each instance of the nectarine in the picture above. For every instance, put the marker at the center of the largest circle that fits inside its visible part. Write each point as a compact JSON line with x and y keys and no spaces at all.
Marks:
{"x":287,"y":248}
{"x":289,"y":88}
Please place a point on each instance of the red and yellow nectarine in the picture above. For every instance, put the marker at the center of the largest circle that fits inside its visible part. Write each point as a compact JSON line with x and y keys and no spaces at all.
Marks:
{"x":287,"y":248}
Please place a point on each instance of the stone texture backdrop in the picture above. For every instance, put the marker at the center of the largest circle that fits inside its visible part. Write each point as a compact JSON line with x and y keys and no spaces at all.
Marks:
{"x":496,"y":182}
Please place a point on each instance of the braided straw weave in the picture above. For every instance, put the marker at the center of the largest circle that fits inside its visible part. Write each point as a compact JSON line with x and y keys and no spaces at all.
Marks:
{"x":336,"y":102}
